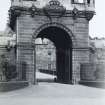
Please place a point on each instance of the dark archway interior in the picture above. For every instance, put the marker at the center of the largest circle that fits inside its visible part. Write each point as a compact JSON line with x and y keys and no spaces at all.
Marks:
{"x":63,"y":44}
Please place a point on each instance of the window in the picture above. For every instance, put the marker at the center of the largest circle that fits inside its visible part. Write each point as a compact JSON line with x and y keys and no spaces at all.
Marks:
{"x":77,"y":1}
{"x":81,"y":1}
{"x":49,"y":66}
{"x":88,"y":1}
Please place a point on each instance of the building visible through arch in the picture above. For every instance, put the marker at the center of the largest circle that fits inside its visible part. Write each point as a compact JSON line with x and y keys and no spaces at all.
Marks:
{"x":65,"y":25}
{"x":45,"y":59}
{"x":63,"y":44}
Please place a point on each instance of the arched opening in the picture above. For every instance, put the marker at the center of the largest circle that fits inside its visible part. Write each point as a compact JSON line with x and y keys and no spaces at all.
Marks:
{"x":63,"y":45}
{"x":45,"y":60}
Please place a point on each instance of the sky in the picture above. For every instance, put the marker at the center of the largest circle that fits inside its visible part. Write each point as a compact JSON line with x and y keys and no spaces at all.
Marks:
{"x":97,"y":24}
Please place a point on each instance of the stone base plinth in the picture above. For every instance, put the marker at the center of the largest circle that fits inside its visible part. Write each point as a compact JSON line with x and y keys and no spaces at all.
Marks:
{"x":97,"y":84}
{"x":9,"y":86}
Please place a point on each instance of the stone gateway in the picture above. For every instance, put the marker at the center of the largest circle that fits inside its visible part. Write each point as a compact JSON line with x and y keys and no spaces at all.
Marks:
{"x":65,"y":23}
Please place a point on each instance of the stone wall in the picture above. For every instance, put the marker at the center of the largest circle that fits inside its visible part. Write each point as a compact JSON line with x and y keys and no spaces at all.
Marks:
{"x":93,"y":72}
{"x":98,"y":56}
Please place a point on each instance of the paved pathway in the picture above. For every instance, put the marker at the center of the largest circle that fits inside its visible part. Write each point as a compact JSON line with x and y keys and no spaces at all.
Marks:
{"x":54,"y":94}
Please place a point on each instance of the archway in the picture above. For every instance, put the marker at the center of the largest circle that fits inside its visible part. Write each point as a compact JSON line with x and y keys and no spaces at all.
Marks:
{"x":63,"y":44}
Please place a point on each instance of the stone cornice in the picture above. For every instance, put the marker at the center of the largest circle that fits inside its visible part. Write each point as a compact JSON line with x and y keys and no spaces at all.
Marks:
{"x":15,"y":10}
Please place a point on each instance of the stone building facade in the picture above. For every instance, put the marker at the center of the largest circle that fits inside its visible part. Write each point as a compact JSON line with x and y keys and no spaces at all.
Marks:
{"x":45,"y":56}
{"x":65,"y":23}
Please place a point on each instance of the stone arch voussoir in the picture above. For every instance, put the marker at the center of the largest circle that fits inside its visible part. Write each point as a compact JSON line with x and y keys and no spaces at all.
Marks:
{"x":42,"y":27}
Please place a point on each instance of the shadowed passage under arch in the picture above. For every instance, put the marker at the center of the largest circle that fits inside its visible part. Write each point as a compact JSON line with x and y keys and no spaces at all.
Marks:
{"x":63,"y":44}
